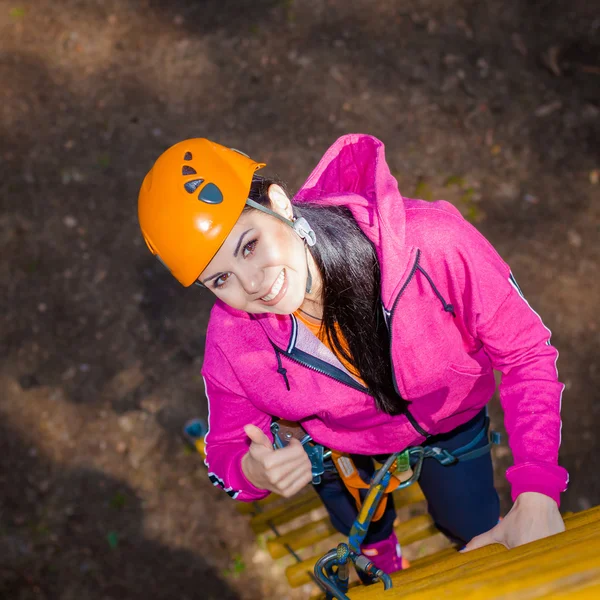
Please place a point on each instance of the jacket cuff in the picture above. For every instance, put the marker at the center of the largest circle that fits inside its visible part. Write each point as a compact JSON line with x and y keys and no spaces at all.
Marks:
{"x":550,"y":480}
{"x":249,"y":493}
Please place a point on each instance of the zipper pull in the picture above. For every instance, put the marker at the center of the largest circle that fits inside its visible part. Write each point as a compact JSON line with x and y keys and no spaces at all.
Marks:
{"x":282,"y":371}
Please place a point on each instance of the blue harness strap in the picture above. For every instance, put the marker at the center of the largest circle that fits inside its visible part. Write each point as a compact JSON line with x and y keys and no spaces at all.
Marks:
{"x":468,"y":451}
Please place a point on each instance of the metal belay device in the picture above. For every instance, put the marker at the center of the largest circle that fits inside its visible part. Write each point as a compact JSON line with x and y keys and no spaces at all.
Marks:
{"x":335,"y":582}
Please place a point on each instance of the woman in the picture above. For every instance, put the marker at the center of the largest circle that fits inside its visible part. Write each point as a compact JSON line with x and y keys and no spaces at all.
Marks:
{"x":372,"y":320}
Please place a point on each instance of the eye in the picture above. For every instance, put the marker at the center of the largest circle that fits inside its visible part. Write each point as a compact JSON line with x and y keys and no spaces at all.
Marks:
{"x":220,"y":281}
{"x":249,"y":248}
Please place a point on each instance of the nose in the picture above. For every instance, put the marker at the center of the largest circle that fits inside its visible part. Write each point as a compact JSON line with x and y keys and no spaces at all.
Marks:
{"x":250,"y":279}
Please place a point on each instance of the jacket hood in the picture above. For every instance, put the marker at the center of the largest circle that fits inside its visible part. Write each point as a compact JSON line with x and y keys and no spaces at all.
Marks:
{"x":354,"y":173}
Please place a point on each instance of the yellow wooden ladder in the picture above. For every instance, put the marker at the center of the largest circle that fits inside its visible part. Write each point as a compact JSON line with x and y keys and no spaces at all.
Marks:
{"x":562,"y":566}
{"x":566,"y":565}
{"x":300,"y":527}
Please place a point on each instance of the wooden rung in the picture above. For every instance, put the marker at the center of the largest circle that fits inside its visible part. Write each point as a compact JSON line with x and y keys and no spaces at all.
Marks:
{"x":491,"y":564}
{"x":417,"y":528}
{"x":582,"y":518}
{"x":307,"y":501}
{"x":251,"y":508}
{"x":298,"y":574}
{"x":284,"y":514}
{"x":569,"y":560}
{"x":434,"y":558}
{"x":318,"y":594}
{"x":430,"y":566}
{"x":408,"y":496}
{"x":304,"y":536}
{"x":586,"y":592}
{"x":572,"y":521}
{"x":258,"y":506}
{"x":201,"y":448}
{"x":314,"y":532}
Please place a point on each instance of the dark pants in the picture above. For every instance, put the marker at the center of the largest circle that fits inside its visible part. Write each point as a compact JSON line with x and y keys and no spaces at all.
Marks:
{"x":461,"y":498}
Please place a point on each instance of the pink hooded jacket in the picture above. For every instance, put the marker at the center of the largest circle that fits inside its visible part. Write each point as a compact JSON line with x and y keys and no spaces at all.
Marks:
{"x":454,"y":312}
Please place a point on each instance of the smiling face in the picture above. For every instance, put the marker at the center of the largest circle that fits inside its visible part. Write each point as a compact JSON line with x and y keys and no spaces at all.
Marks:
{"x":262,"y":266}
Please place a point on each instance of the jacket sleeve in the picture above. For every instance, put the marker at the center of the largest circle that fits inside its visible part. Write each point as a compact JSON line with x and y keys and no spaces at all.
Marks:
{"x":226,"y":442}
{"x":518,"y":345}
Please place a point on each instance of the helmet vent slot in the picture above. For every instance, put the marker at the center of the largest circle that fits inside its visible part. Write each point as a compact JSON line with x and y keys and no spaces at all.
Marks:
{"x":186,"y":170}
{"x":187,"y":156}
{"x":192,"y":186}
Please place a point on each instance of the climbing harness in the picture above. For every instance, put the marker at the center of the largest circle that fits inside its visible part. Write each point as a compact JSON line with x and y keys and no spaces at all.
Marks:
{"x":335,"y":583}
{"x":354,"y":482}
{"x":331,"y":571}
{"x":383,"y":481}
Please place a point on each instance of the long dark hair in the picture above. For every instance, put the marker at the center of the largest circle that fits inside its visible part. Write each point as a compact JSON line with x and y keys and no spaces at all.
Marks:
{"x":351,"y":294}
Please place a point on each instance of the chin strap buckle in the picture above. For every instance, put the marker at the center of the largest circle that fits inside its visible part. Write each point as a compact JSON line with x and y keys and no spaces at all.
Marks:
{"x":305,"y":231}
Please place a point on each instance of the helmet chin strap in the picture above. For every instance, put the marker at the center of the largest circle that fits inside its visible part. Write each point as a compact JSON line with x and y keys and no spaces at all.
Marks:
{"x":300,"y":225}
{"x":308,"y":275}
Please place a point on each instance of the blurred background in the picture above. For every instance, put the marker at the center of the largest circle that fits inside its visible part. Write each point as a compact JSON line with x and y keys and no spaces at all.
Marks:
{"x":492,"y":105}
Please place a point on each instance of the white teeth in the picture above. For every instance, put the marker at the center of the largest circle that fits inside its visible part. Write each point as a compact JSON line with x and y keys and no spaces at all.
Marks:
{"x":276,"y":287}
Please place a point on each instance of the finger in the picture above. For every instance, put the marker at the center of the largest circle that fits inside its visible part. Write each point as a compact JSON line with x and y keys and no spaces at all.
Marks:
{"x":278,"y":472}
{"x":273,"y":464}
{"x":257,"y":436}
{"x":299,"y":478}
{"x":280,"y":456}
{"x":485,"y":539}
{"x":294,"y":483}
{"x":288,"y":455}
{"x":300,"y":467}
{"x":259,"y":453}
{"x":296,"y":446}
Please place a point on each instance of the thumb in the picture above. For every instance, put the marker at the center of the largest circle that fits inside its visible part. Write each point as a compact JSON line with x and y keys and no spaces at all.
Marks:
{"x":258,"y":436}
{"x":479,"y":541}
{"x":298,"y":447}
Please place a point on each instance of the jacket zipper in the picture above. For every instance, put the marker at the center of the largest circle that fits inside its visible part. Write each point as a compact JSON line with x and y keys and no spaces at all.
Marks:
{"x":313,"y":367}
{"x":408,"y":414}
{"x":408,"y":280}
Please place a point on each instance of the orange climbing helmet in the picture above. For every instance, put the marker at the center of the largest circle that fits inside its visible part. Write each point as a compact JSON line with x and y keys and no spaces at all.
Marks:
{"x":189,"y":202}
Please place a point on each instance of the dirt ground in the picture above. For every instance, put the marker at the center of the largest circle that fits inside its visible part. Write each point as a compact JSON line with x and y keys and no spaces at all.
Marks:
{"x":492,"y":105}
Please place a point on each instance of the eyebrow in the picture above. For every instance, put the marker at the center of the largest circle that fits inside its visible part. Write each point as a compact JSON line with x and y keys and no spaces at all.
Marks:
{"x":235,"y":253}
{"x":211,"y":278}
{"x":237,"y":248}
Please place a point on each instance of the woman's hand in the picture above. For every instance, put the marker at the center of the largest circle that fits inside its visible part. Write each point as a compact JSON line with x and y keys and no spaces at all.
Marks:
{"x":533,"y":517}
{"x":284,"y":471}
